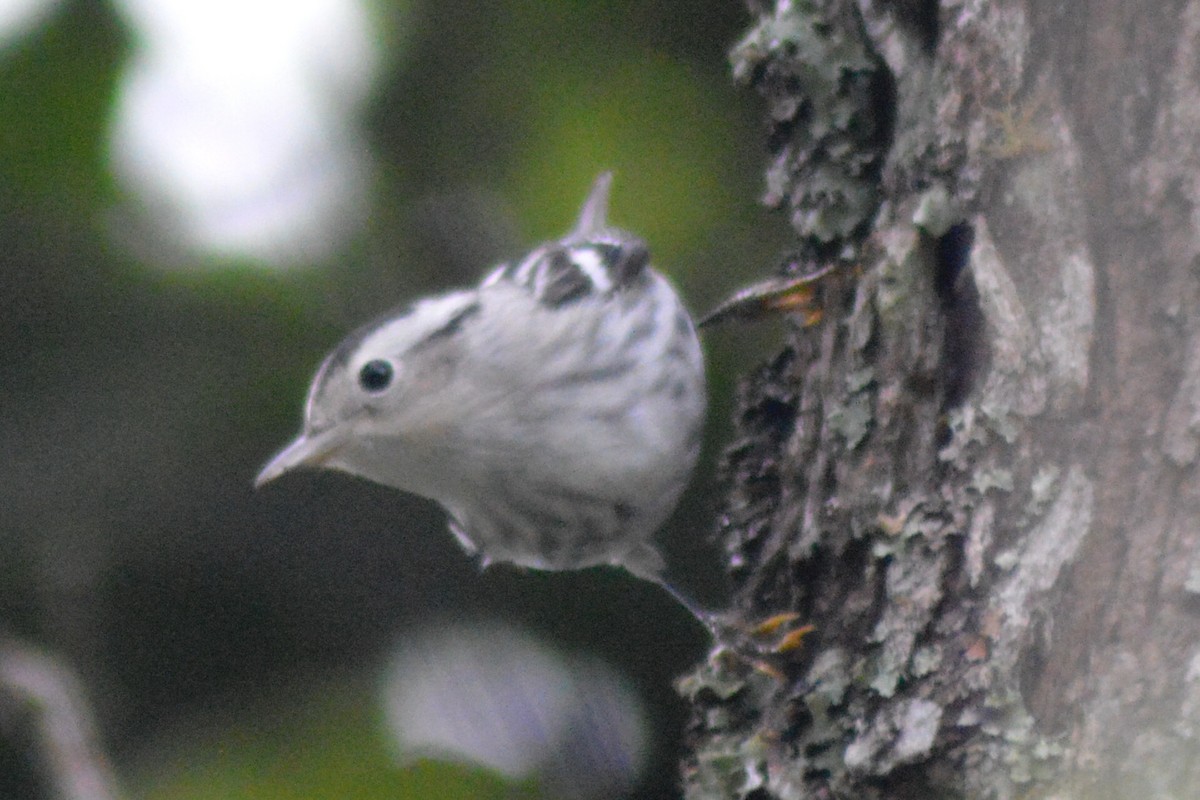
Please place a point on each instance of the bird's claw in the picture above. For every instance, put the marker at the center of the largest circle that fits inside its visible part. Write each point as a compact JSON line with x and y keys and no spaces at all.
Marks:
{"x":766,"y":644}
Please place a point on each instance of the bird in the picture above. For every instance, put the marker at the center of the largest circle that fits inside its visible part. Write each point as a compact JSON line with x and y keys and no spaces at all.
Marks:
{"x":555,"y":410}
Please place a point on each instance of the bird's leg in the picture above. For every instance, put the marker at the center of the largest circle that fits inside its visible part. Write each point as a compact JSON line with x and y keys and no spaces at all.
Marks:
{"x":773,"y":636}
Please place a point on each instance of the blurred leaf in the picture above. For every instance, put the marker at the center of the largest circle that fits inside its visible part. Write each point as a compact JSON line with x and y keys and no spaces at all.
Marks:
{"x":58,"y":84}
{"x":328,"y":744}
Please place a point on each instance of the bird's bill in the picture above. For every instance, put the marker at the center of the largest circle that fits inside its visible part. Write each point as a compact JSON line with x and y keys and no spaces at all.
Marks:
{"x":305,"y":451}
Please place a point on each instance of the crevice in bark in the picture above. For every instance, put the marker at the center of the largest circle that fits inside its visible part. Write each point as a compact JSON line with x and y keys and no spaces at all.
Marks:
{"x":921,"y":19}
{"x":964,"y":346}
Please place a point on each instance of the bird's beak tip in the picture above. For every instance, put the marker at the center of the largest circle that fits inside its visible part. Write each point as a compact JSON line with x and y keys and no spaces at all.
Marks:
{"x":272,"y":470}
{"x":268,"y":474}
{"x":301,"y":452}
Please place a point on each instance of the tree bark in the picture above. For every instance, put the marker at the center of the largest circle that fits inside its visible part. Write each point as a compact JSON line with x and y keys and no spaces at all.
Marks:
{"x":976,"y":476}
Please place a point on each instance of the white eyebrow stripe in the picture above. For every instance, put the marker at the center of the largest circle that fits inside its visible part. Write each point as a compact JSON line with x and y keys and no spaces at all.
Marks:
{"x":590,"y":263}
{"x":396,"y":336}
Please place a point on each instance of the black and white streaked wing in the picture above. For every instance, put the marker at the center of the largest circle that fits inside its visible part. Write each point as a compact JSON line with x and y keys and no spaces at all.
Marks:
{"x":558,"y":275}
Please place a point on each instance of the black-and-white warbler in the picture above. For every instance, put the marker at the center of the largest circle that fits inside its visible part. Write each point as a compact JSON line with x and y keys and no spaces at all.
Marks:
{"x":554,"y":410}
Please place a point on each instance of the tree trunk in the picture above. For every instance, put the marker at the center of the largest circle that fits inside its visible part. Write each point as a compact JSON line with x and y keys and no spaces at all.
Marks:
{"x":976,"y":476}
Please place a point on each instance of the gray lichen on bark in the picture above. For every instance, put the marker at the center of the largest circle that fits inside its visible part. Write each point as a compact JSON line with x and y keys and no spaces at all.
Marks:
{"x":822,"y":85}
{"x":898,"y":476}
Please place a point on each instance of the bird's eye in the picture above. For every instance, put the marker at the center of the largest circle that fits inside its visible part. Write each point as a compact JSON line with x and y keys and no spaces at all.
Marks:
{"x":376,"y":375}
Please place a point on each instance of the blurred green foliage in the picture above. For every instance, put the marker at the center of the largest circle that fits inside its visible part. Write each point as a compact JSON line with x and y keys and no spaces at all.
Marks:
{"x":321,"y":742}
{"x":55,"y":88}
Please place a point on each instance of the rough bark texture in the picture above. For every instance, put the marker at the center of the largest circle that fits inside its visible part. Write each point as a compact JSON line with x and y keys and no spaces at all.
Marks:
{"x":977,"y":475}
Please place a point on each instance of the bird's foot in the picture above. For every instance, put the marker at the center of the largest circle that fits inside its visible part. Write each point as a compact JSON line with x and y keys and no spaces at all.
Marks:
{"x":766,"y":645}
{"x":786,"y":294}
